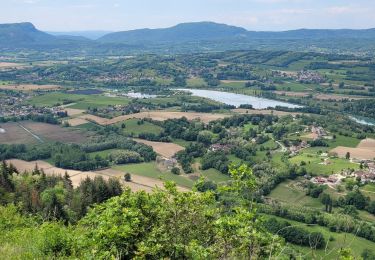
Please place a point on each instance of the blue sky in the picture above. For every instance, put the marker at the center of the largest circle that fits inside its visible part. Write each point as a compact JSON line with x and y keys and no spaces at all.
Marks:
{"x":73,"y":15}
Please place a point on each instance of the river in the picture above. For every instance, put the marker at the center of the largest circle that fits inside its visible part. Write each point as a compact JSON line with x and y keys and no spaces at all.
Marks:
{"x":363,"y":120}
{"x":238,"y":99}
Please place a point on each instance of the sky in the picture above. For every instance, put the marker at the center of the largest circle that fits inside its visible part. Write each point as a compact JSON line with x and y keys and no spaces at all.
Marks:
{"x":117,"y":15}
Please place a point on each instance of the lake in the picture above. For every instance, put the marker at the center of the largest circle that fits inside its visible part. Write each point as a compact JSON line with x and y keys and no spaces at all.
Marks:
{"x":238,"y":99}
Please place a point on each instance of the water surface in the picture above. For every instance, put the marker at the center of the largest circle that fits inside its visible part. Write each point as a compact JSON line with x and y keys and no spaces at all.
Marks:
{"x":239,"y":99}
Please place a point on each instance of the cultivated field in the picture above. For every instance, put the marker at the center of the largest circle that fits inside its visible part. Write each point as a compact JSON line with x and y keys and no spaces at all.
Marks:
{"x":32,"y":132}
{"x":73,"y":111}
{"x":77,"y":121}
{"x":164,"y":149}
{"x":291,"y":93}
{"x":357,"y":153}
{"x":6,"y":65}
{"x":137,"y":183}
{"x":336,"y":97}
{"x":156,"y":115}
{"x":263,"y":112}
{"x":365,"y":150}
{"x":29,"y":87}
{"x":368,"y":144}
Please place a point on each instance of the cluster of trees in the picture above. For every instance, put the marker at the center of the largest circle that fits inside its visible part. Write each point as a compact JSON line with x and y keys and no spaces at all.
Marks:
{"x":186,"y":157}
{"x":53,"y":197}
{"x":42,"y":118}
{"x":74,"y":156}
{"x":295,"y":235}
{"x":336,"y":222}
{"x":217,"y":160}
{"x":163,"y":224}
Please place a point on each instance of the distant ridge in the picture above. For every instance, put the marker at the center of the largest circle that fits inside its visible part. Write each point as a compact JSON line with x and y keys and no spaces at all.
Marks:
{"x":92,"y":35}
{"x":25,"y":35}
{"x":199,"y":31}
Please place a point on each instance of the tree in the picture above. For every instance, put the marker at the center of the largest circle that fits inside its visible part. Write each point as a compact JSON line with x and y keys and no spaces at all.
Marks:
{"x":127,"y":177}
{"x":177,"y":225}
{"x":371,"y":207}
{"x":175,"y":170}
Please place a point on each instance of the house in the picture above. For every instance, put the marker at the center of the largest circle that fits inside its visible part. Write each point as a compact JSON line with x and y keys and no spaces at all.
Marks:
{"x":168,"y":163}
{"x":220,"y":147}
{"x":365,"y":176}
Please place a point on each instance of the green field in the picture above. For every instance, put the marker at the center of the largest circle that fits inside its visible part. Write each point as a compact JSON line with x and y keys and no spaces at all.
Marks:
{"x":133,"y":127}
{"x":196,"y":82}
{"x":314,"y":164}
{"x":215,"y":175}
{"x":104,"y":153}
{"x":340,"y":240}
{"x":295,"y":86}
{"x":81,"y":101}
{"x":289,"y":192}
{"x":150,"y":170}
{"x":369,"y":190}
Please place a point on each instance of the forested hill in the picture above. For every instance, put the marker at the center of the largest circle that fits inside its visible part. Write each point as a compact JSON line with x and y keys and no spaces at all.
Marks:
{"x":209,"y":31}
{"x":25,"y":35}
{"x":186,"y":37}
{"x":179,"y":33}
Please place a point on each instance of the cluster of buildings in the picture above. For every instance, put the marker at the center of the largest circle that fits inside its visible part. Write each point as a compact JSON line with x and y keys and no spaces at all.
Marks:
{"x":220,"y":147}
{"x":294,"y":149}
{"x":167,"y":163}
{"x":334,"y":179}
{"x":122,"y":77}
{"x":367,"y":174}
{"x":307,"y":76}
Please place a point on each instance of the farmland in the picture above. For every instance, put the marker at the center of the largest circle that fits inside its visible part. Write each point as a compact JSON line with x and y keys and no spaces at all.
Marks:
{"x":79,"y":101}
{"x":165,"y":149}
{"x":15,"y":133}
{"x":29,"y":87}
{"x":115,"y":123}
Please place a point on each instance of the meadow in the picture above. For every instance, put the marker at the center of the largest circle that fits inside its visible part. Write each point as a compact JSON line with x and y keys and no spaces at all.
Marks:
{"x":151,"y":170}
{"x":335,"y":241}
{"x":80,"y":101}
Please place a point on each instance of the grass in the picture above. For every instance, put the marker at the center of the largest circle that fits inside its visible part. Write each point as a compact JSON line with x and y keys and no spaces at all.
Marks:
{"x":215,"y":175}
{"x":103,"y":153}
{"x":271,"y":144}
{"x":289,"y":192}
{"x":340,"y":240}
{"x":294,"y":86}
{"x":150,"y":170}
{"x":133,"y":126}
{"x":81,"y":101}
{"x":181,"y":142}
{"x":369,"y":190}
{"x":196,"y":82}
{"x":314,"y":166}
{"x":341,"y":140}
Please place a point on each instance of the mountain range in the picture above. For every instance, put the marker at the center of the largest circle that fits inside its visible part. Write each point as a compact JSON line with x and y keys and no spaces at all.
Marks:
{"x":25,"y":35}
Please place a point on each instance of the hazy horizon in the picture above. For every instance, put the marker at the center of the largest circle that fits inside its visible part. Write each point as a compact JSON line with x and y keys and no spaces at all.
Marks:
{"x":258,"y":15}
